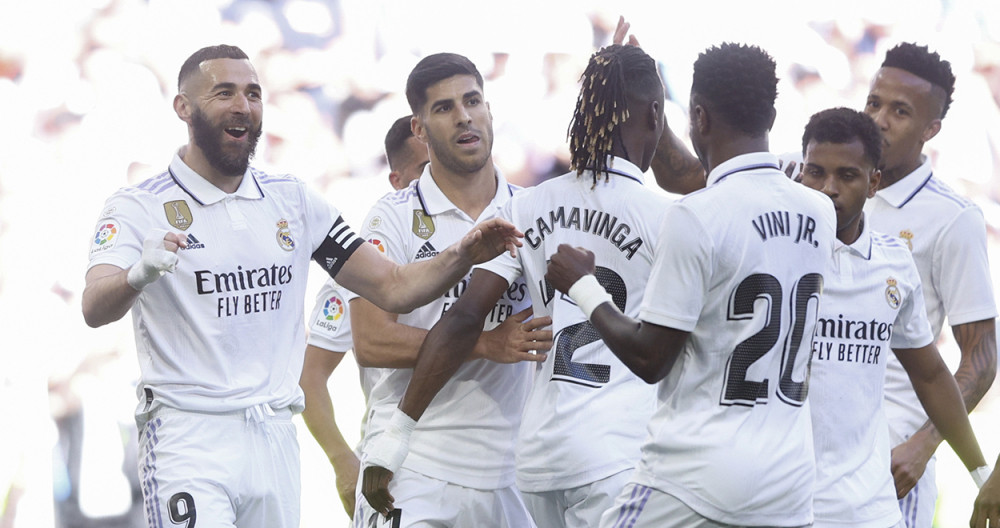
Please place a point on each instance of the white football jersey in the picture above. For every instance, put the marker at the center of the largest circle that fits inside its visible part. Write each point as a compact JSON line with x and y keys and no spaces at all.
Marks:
{"x":938,"y":225}
{"x":468,"y":433}
{"x":330,"y":328}
{"x":739,"y":265}
{"x":223,"y":331}
{"x":587,"y":413}
{"x":872,"y":301}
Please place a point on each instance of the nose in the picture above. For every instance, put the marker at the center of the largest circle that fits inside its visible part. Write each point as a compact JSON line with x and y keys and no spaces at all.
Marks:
{"x":830,"y":187}
{"x":878,"y":115}
{"x":463,"y":115}
{"x":240,"y":104}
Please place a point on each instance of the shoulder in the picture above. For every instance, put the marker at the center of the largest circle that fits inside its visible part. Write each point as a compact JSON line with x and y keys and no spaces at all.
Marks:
{"x":935,"y":192}
{"x":276,"y":181}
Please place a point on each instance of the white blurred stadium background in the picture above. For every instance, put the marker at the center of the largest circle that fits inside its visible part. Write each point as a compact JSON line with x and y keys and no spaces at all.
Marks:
{"x":85,"y":107}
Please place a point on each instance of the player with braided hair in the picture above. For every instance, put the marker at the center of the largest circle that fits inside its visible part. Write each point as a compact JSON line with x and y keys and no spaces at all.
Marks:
{"x":726,"y":319}
{"x":586,"y":414}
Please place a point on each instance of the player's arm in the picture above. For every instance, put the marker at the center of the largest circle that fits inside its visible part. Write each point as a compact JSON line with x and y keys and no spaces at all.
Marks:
{"x":986,"y":509}
{"x":319,"y":417}
{"x":111,"y":291}
{"x":676,"y":170}
{"x":401,"y":289}
{"x":647,"y":349}
{"x":939,"y":394}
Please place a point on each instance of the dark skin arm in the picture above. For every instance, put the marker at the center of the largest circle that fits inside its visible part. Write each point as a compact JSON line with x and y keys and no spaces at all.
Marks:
{"x":648,"y":350}
{"x":975,"y":374}
{"x":448,"y":344}
{"x":675,"y":168}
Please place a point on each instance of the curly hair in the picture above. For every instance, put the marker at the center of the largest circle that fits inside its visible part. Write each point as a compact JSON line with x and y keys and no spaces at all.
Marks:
{"x":221,"y":51}
{"x":738,"y":81}
{"x":434,"y":68}
{"x":615,"y":77}
{"x":843,"y":125}
{"x":923,"y":63}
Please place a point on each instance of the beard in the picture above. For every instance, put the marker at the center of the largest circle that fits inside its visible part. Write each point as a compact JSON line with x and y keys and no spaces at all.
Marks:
{"x":208,"y":137}
{"x":443,"y":149}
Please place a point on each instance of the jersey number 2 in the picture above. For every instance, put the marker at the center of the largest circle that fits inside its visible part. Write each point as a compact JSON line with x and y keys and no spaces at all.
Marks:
{"x":569,"y":339}
{"x":738,"y":389}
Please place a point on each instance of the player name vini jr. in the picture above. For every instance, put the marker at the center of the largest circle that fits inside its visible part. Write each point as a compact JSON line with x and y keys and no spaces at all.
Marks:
{"x":591,"y":221}
{"x":775,"y":224}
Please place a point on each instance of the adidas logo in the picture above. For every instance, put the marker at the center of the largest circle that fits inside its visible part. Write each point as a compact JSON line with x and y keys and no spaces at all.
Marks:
{"x":193,"y":242}
{"x":426,"y":251}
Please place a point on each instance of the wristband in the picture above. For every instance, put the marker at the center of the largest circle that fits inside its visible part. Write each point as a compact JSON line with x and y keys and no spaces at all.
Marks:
{"x":154,"y":262}
{"x":389,"y":449}
{"x":980,"y":474}
{"x":588,"y":294}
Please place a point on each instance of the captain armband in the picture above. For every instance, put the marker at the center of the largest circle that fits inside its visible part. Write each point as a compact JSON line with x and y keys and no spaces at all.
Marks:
{"x":338,"y":245}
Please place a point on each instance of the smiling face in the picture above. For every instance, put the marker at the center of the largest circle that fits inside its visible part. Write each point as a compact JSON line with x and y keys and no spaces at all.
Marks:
{"x":907,"y":110}
{"x":842,"y":172}
{"x":456,"y":124}
{"x":223,"y":108}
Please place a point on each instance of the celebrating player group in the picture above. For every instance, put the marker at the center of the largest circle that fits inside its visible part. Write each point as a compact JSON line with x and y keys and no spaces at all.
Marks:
{"x":586,"y":352}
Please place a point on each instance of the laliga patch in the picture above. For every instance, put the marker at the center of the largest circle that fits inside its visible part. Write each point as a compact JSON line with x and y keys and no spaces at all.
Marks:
{"x":423,"y":225}
{"x":378,"y":244}
{"x":907,"y":235}
{"x":892,"y":295}
{"x":178,"y":214}
{"x":284,"y":236}
{"x":108,"y":233}
{"x":375,"y":222}
{"x":332,"y":314}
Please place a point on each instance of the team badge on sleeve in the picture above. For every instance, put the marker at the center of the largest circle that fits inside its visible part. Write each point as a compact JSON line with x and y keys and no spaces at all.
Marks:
{"x":178,"y":214}
{"x":892,"y":295}
{"x":423,"y":225}
{"x":107,"y":235}
{"x":285,"y":236}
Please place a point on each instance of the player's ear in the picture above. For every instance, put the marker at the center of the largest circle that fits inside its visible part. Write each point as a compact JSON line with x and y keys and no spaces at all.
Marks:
{"x":417,"y":128}
{"x":873,"y":182}
{"x":932,"y":130}
{"x":182,"y":106}
{"x":394,"y":178}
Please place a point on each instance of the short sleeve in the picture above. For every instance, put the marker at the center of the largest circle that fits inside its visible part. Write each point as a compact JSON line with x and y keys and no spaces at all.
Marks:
{"x":504,"y":265}
{"x":682,"y":269}
{"x":912,"y":328}
{"x":383,"y":230}
{"x":961,"y":270}
{"x":329,"y":322}
{"x":120,"y":230}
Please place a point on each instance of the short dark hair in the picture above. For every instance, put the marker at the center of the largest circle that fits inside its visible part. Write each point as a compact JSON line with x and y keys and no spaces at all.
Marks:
{"x":923,"y":63}
{"x":738,"y":81}
{"x":432,"y":69}
{"x":395,"y":140}
{"x":221,"y":51}
{"x":843,"y":125}
{"x":615,"y":77}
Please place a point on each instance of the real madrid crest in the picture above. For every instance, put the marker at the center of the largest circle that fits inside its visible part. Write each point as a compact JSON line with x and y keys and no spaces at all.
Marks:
{"x":907,"y":235}
{"x":892,"y":295}
{"x":178,"y":214}
{"x":285,"y":236}
{"x":423,"y":225}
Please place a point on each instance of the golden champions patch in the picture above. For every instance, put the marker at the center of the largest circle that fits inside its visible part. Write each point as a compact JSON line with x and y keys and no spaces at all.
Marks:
{"x":375,"y":222}
{"x":907,"y":235}
{"x":892,"y":295}
{"x":423,"y":225}
{"x":284,"y":236}
{"x":178,"y":214}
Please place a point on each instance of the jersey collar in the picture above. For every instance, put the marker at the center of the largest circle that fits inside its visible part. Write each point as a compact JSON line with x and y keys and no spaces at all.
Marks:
{"x":741,"y":164}
{"x":623,"y":167}
{"x":433,"y":200}
{"x":861,"y":247}
{"x":204,"y":192}
{"x":901,"y":192}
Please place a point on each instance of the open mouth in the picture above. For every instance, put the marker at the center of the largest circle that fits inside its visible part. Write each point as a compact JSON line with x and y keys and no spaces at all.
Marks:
{"x":467,"y":139}
{"x":236,"y":132}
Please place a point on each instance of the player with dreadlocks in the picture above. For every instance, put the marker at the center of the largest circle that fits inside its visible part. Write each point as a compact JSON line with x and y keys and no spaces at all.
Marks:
{"x":586,"y":415}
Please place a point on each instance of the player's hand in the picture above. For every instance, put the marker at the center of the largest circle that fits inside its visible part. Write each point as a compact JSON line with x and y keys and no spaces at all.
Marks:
{"x":621,"y":30}
{"x":987,"y":505}
{"x":909,"y":460}
{"x":159,"y":256}
{"x":794,"y":175}
{"x":347,"y":469}
{"x":517,"y":340}
{"x":489,"y":239}
{"x":375,"y":488}
{"x":567,"y":265}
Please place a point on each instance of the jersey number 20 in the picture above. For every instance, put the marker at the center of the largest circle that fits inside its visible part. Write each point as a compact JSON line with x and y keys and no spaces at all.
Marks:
{"x":738,"y":388}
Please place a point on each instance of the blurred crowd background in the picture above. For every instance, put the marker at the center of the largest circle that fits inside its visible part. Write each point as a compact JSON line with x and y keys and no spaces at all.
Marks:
{"x":85,"y":108}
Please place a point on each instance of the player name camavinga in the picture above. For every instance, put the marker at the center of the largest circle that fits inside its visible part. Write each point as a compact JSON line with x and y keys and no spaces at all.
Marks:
{"x":587,"y":220}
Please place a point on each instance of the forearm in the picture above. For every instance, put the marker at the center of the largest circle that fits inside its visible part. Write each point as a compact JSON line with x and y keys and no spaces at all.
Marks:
{"x":386,"y":344}
{"x":107,"y":296}
{"x":943,"y":403}
{"x":647,"y":356}
{"x":321,"y":421}
{"x":445,"y":348}
{"x":675,"y":168}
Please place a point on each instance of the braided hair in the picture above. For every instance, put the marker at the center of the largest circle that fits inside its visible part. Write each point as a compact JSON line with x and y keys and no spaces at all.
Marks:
{"x":614,"y":76}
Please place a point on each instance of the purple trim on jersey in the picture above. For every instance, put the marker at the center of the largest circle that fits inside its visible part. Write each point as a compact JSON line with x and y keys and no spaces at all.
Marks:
{"x":915,"y":191}
{"x":185,"y":189}
{"x":150,"y":486}
{"x":886,"y":241}
{"x":420,"y":196}
{"x":153,"y":182}
{"x":941,"y":190}
{"x":629,"y":512}
{"x":747,"y":168}
{"x":256,"y":181}
{"x":908,"y":505}
{"x":618,"y":172}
